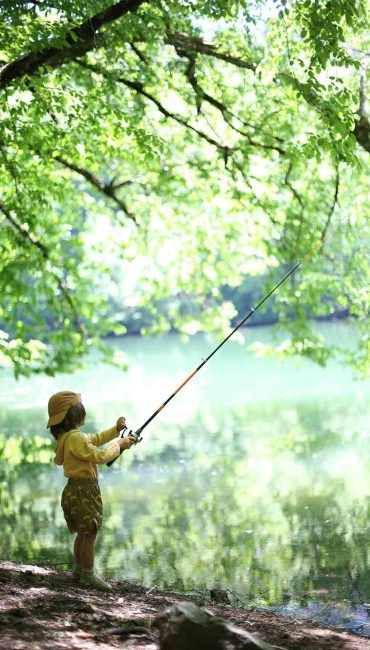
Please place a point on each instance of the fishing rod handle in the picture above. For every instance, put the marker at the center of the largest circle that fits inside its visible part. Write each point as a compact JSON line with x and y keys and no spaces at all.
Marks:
{"x":131,"y":434}
{"x":122,"y":435}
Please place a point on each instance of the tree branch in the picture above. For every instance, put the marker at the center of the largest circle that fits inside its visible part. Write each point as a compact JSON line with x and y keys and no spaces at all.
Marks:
{"x":331,"y":211}
{"x":227,"y":114}
{"x":138,"y":52}
{"x":78,"y":41}
{"x":291,"y":187}
{"x":140,"y":89}
{"x":23,"y":232}
{"x":362,"y":133}
{"x":362,"y":107}
{"x":33,"y":241}
{"x":109,"y":189}
{"x":185,"y":44}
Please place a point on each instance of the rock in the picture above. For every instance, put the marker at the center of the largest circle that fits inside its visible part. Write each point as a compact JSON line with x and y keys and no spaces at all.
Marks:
{"x":185,"y":625}
{"x":219,"y":595}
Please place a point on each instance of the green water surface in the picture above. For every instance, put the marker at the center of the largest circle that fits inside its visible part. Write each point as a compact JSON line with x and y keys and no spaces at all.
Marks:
{"x":255,"y":479}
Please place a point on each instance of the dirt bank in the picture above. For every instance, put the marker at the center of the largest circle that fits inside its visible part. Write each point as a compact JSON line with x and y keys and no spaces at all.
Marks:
{"x":43,"y":609}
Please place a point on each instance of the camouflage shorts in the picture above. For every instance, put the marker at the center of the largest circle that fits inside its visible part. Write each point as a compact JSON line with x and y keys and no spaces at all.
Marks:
{"x":82,"y":505}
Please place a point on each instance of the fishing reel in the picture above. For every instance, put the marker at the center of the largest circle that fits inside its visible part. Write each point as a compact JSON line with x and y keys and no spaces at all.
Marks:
{"x":123,"y":434}
{"x":132,"y":434}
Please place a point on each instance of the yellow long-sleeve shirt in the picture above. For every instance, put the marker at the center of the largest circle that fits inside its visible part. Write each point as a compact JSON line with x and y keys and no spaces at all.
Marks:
{"x":78,"y":452}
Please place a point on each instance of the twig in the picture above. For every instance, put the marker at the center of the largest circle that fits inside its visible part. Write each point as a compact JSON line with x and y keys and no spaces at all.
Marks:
{"x":109,"y":189}
{"x":335,"y":200}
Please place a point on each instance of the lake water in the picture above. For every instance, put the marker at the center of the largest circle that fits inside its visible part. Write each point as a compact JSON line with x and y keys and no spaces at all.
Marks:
{"x":255,"y":479}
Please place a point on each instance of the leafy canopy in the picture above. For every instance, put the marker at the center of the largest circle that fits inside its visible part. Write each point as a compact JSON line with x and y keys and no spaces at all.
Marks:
{"x":163,"y":150}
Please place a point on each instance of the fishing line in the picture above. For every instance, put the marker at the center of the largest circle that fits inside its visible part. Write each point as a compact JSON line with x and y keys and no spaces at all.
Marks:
{"x":137,"y":434}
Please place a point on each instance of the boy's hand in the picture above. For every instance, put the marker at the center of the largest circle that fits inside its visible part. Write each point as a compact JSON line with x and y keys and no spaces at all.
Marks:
{"x":126,"y":443}
{"x":121,"y":423}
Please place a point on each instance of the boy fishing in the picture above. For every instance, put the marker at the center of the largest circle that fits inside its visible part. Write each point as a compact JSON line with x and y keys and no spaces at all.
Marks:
{"x":81,"y":499}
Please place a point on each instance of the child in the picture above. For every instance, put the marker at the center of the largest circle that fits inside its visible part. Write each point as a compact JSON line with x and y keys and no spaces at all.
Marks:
{"x":81,"y":499}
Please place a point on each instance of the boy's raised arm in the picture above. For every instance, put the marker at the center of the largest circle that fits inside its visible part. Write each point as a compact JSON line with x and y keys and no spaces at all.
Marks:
{"x":82,"y":448}
{"x":101,"y":438}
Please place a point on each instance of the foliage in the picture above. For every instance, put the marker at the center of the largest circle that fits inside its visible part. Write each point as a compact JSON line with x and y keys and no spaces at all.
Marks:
{"x":155,"y":150}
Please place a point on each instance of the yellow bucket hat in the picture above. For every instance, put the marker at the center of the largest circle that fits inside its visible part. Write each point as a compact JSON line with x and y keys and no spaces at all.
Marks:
{"x":59,"y":404}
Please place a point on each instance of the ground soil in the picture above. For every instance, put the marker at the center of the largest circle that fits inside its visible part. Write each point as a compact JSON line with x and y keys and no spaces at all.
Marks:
{"x":44,"y":609}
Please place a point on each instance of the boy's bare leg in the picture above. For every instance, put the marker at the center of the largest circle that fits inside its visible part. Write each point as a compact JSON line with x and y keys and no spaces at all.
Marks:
{"x":87,"y":550}
{"x":76,"y":573}
{"x":77,"y":548}
{"x":88,"y":578}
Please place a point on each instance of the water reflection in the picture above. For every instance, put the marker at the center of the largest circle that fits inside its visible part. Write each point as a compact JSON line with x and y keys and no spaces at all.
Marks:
{"x":272,"y":506}
{"x":256,"y":481}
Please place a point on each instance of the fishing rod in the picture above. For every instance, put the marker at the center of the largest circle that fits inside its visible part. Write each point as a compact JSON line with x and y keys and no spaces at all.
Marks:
{"x":137,"y":434}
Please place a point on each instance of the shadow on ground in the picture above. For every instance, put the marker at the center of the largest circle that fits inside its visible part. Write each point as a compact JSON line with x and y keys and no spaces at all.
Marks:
{"x":42,"y":608}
